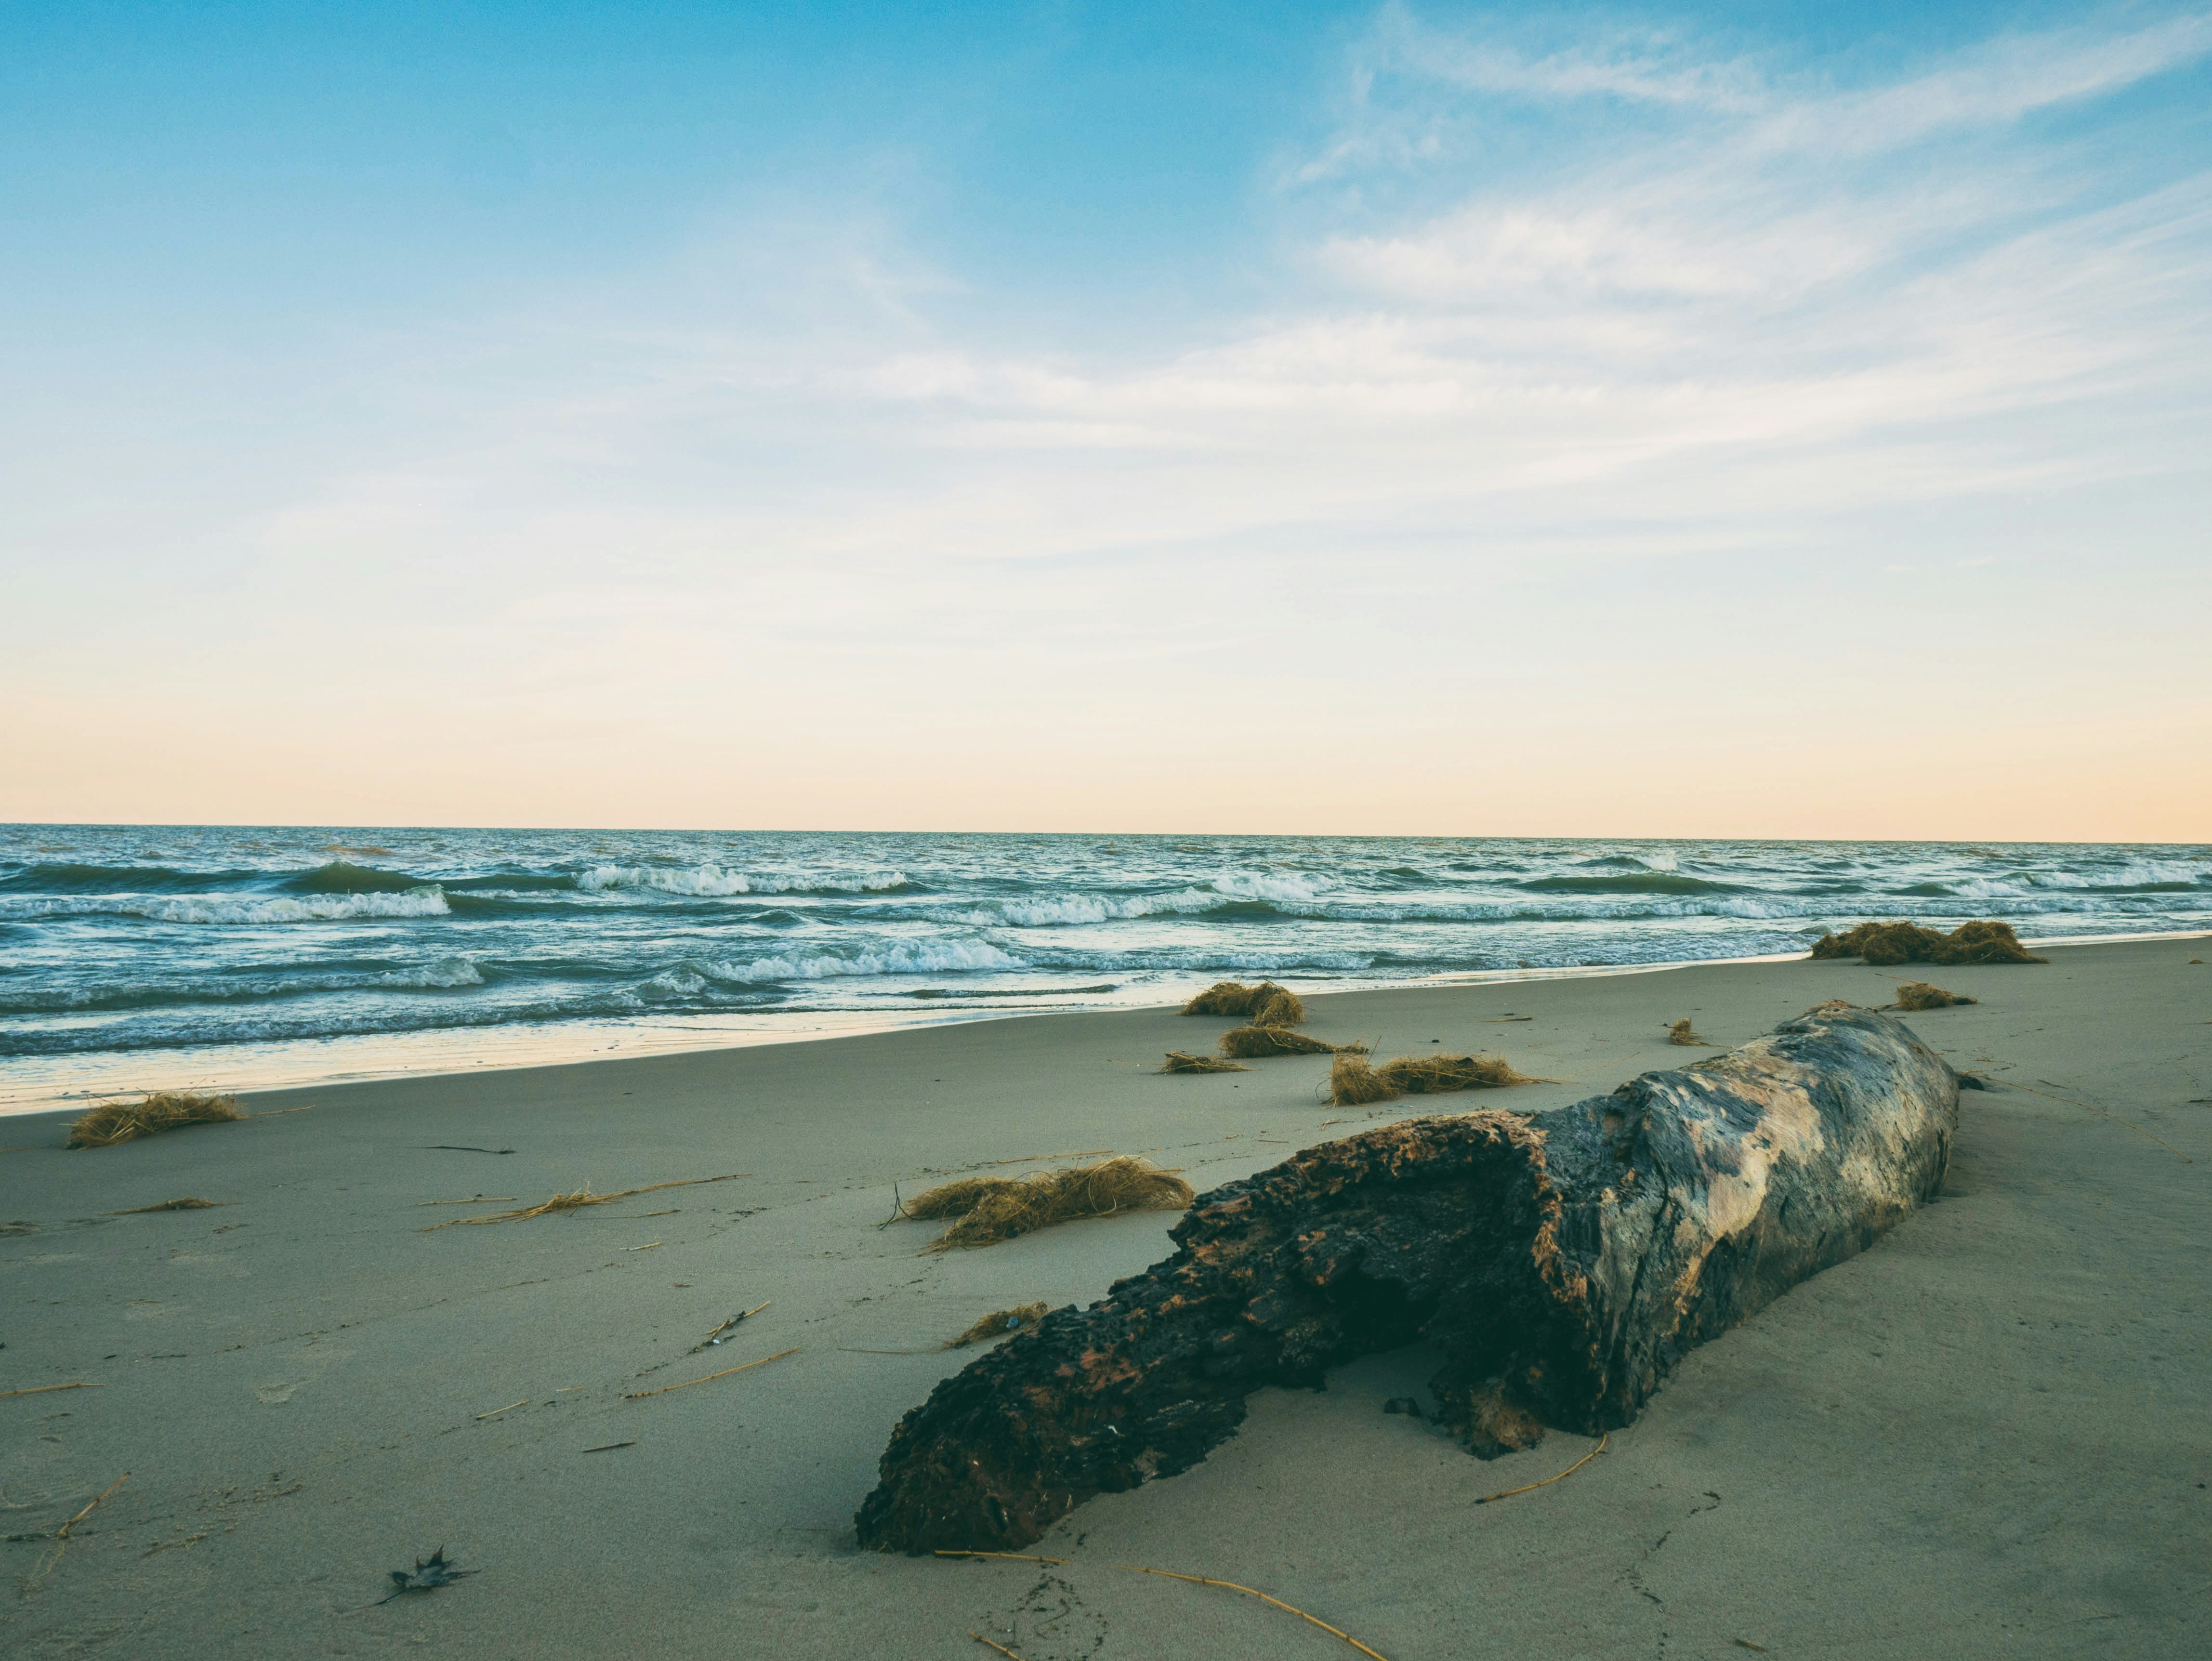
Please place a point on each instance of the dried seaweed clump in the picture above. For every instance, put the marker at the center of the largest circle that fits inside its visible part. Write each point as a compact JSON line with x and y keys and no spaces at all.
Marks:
{"x":1353,"y":1083}
{"x":1281,"y":1009}
{"x":989,"y":1209}
{"x":114,"y":1122}
{"x":1885,"y":943}
{"x":1181,"y":1061}
{"x":1271,"y":1041}
{"x":1682,"y":1032}
{"x":1234,"y":997}
{"x":1000,"y":1322}
{"x":1918,"y":995}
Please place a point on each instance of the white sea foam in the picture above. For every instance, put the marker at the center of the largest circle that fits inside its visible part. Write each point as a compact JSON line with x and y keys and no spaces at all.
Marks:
{"x":940,"y":957}
{"x":1261,"y":886}
{"x":445,"y":972}
{"x":712,"y":882}
{"x":247,"y":909}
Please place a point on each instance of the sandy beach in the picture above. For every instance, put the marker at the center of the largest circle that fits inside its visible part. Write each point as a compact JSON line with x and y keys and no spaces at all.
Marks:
{"x":1986,"y":1436}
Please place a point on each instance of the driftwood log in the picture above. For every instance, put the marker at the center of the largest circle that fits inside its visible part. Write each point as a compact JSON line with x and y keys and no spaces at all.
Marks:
{"x":1564,"y":1262}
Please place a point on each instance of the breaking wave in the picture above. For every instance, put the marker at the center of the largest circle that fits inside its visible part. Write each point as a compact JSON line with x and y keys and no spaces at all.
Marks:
{"x":112,"y":938}
{"x":243,"y":911}
{"x":712,"y":882}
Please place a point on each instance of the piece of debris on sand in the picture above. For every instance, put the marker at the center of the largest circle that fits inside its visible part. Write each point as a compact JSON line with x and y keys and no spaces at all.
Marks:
{"x":1235,"y":998}
{"x":988,"y":1209}
{"x":427,"y":1575}
{"x":1886,"y":943}
{"x":113,"y":1124}
{"x":1918,"y":995}
{"x":1181,"y":1061}
{"x":1352,"y":1082}
{"x":1000,"y":1322}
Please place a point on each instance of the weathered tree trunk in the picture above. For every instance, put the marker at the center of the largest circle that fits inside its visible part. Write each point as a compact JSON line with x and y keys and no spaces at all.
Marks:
{"x":1564,"y":1262}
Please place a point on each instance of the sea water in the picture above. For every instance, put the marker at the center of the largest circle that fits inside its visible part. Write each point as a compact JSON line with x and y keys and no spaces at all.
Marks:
{"x":244,"y":954}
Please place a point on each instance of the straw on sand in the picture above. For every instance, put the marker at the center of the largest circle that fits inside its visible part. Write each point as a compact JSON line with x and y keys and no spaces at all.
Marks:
{"x":989,"y":1209}
{"x":1000,"y":1322}
{"x":111,"y":1123}
{"x":1353,"y":1083}
{"x":1235,"y":998}
{"x":1271,"y":1041}
{"x":1280,"y":1008}
{"x":1682,"y":1032}
{"x":1181,"y":1061}
{"x":1918,"y":995}
{"x":1884,"y":943}
{"x":578,"y":1200}
{"x":187,"y":1203}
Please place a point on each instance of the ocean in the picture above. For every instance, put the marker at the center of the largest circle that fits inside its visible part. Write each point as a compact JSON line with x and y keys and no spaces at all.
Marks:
{"x":135,"y":956}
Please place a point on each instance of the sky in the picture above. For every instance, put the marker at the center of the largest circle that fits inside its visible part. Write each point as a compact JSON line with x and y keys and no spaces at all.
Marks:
{"x":1721,"y":421}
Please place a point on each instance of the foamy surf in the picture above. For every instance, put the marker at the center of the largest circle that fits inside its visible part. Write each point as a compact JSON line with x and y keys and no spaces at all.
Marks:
{"x":122,"y":942}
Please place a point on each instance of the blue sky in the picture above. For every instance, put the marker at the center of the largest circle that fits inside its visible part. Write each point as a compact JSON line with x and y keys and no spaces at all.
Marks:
{"x":908,"y":417}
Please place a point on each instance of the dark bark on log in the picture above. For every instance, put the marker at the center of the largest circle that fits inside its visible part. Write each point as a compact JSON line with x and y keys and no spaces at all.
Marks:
{"x":1564,"y":1262}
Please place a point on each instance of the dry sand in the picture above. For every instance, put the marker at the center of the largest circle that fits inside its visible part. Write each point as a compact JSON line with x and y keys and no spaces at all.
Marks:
{"x":1987,"y":1436}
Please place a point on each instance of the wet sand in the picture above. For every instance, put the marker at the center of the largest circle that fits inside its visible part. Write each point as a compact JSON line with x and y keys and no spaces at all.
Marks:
{"x":1987,"y":1436}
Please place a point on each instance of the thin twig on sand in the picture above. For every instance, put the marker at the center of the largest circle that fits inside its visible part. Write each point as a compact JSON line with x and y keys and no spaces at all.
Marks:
{"x":1548,"y":1481}
{"x":639,"y":1395}
{"x":1250,"y":1591}
{"x":61,"y":1533}
{"x":578,"y":1200}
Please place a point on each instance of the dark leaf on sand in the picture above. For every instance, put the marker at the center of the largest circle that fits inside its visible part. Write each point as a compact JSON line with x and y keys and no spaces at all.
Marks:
{"x":427,"y":1575}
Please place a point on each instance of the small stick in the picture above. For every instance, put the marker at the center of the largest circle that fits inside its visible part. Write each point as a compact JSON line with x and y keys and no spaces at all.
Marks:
{"x":1011,"y":1556}
{"x":499,"y":1411}
{"x":641,"y":1248}
{"x":639,"y":1395}
{"x":609,"y":1447}
{"x":279,"y":1112}
{"x":1201,"y":1580}
{"x":451,"y":1148}
{"x":40,"y":1390}
{"x":987,"y":1644}
{"x":61,"y":1533}
{"x":1548,"y":1481}
{"x":473,"y":1199}
{"x":734,"y":1319}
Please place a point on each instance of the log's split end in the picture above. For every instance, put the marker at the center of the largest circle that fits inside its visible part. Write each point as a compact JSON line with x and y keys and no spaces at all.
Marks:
{"x":1564,"y":1262}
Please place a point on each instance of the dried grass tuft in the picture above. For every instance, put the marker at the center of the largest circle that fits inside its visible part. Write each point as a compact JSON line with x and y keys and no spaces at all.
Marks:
{"x":1281,"y":1009}
{"x":1682,"y":1032}
{"x":1250,"y":1041}
{"x":1431,"y":1075}
{"x":1235,"y":998}
{"x":1886,"y":943}
{"x":989,"y":1209}
{"x":111,"y":1123}
{"x":576,"y":1201}
{"x":1000,"y":1322}
{"x":1181,"y":1061}
{"x":187,"y":1203}
{"x":1352,"y":1082}
{"x":1918,"y":995}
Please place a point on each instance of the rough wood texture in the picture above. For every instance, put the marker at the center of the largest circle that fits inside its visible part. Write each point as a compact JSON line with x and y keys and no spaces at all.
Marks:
{"x":1563,"y":1263}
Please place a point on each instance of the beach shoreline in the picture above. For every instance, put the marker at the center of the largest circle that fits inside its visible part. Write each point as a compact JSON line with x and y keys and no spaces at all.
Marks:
{"x":1932,"y":1445}
{"x":44,"y":1085}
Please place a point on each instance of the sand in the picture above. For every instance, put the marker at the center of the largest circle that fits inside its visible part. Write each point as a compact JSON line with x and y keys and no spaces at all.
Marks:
{"x":1986,"y":1436}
